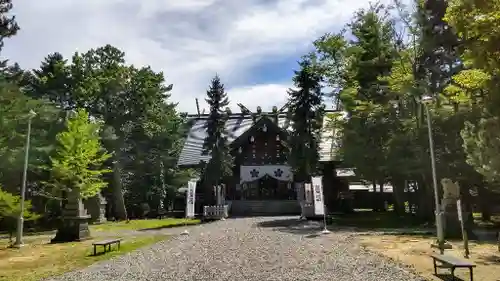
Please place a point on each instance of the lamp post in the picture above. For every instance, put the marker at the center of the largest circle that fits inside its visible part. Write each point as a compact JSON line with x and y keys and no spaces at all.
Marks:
{"x":426,"y":101}
{"x":20,"y":219}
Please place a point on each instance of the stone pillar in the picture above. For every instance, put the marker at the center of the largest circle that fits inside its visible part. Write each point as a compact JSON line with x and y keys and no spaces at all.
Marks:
{"x":96,"y":206}
{"x":74,"y":224}
{"x":102,"y":209}
{"x":451,"y":224}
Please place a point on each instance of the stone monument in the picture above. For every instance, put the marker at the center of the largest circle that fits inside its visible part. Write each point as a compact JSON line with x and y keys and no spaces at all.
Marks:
{"x":74,"y":221}
{"x":451,"y":224}
{"x":96,"y":206}
{"x":102,"y":209}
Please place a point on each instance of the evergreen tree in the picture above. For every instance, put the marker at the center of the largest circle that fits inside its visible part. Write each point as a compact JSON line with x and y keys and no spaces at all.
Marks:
{"x":14,"y":108}
{"x":142,"y":128}
{"x":439,"y":58}
{"x":8,"y":26}
{"x":216,"y":143}
{"x":307,"y":110}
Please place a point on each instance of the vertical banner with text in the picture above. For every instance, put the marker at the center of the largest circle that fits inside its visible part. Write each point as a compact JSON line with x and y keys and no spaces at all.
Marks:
{"x":317,"y":186}
{"x":190,"y":198}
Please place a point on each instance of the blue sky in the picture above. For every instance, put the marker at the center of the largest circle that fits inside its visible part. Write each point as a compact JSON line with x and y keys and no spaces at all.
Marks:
{"x":252,"y":44}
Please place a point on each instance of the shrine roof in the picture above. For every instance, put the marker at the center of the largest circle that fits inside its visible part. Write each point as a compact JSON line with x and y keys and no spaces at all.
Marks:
{"x":191,"y":154}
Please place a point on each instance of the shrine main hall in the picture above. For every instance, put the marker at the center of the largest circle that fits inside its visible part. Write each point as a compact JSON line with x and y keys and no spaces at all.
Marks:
{"x":262,"y":181}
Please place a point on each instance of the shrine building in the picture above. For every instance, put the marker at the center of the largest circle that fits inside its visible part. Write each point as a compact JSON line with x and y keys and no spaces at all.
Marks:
{"x":262,"y":181}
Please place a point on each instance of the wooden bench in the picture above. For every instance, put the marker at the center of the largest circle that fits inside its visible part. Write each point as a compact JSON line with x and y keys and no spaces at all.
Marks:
{"x":452,"y":263}
{"x":106,"y":244}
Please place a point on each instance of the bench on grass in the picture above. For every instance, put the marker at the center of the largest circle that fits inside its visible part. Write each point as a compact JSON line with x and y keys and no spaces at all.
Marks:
{"x":452,"y":263}
{"x":106,"y":244}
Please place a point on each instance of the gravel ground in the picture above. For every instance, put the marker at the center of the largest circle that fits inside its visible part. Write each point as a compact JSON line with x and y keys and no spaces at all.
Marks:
{"x":254,"y":249}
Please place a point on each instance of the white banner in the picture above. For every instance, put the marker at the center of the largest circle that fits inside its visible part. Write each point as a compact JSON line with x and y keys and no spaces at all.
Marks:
{"x":319,"y":204}
{"x":190,"y":198}
{"x":219,"y":194}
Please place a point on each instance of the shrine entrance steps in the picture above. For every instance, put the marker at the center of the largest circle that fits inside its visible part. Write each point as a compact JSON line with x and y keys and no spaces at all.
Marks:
{"x":264,"y":208}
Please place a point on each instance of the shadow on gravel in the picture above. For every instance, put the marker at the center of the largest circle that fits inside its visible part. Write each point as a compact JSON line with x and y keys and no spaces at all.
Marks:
{"x":448,"y":277}
{"x":280,"y":223}
{"x":311,"y":229}
{"x":174,"y":226}
{"x":315,"y":226}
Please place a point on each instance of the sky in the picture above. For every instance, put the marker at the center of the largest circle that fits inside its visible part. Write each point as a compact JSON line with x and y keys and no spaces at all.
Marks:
{"x":253,"y":45}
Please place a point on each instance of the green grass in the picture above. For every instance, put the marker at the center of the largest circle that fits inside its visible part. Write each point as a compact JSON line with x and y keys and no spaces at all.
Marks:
{"x":494,"y":223}
{"x":143,"y":224}
{"x":375,"y":220}
{"x":39,"y":259}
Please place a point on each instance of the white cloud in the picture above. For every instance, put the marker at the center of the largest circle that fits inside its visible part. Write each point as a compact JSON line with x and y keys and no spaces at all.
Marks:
{"x":189,"y":40}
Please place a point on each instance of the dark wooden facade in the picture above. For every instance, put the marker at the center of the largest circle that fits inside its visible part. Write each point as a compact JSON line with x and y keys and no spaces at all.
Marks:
{"x":264,"y":143}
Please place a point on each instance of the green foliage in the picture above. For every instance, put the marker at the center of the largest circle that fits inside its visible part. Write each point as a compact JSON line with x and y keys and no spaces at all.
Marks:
{"x":8,"y":26}
{"x":140,"y":126}
{"x":482,"y":144}
{"x":360,"y":69}
{"x":10,"y":208}
{"x":216,"y":143}
{"x":78,"y":157}
{"x":305,"y":105}
{"x":477,"y":24}
{"x":381,"y":72}
{"x":14,"y":109}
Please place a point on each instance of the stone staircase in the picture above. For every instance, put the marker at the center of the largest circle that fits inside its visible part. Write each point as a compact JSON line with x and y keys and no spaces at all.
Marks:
{"x":264,"y":207}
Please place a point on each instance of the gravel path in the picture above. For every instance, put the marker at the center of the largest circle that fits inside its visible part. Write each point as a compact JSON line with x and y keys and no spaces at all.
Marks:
{"x":254,"y":249}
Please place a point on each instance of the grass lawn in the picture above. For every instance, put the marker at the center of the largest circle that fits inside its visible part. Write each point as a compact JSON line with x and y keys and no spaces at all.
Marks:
{"x":143,"y":224}
{"x":39,"y":259}
{"x":494,"y":223}
{"x":367,"y":219}
{"x":375,"y":220}
{"x":414,"y":251}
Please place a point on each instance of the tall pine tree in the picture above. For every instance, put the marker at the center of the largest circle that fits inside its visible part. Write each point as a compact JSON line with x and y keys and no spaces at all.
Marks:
{"x":8,"y":26}
{"x":439,"y":59}
{"x":216,"y":143}
{"x":307,"y":111}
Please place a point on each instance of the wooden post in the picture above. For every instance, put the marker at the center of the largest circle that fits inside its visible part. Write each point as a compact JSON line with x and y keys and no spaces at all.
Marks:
{"x":197,"y":107}
{"x":464,"y":232}
{"x":498,"y":240}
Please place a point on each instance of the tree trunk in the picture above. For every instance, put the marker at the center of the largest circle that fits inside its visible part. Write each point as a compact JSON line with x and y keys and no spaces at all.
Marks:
{"x":382,"y":202}
{"x":484,"y":204}
{"x":375,"y":205}
{"x":469,"y":223}
{"x":119,"y":201}
{"x":399,"y":198}
{"x":425,"y":209}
